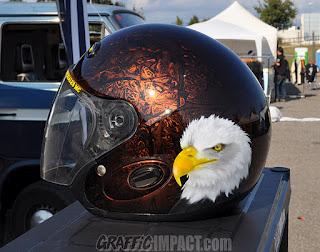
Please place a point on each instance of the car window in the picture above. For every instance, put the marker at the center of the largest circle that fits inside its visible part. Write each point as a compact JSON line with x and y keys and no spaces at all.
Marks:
{"x":126,"y":19}
{"x":97,"y":32}
{"x":26,"y":58}
{"x":32,"y":52}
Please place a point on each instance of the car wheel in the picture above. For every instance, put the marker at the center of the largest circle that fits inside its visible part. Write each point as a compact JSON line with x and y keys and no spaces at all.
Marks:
{"x":37,"y":203}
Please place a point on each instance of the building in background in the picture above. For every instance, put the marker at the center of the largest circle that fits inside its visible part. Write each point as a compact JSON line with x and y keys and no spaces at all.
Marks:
{"x":308,"y":34}
{"x":310,"y":25}
{"x":292,"y":33}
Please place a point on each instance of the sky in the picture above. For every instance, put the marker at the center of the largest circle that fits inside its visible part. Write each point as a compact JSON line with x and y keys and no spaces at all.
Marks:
{"x":165,"y":11}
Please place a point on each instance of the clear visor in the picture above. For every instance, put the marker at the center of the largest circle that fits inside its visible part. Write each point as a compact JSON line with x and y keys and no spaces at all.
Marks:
{"x":80,"y":129}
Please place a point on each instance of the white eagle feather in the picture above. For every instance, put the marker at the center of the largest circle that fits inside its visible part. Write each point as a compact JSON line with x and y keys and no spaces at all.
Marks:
{"x":231,"y":164}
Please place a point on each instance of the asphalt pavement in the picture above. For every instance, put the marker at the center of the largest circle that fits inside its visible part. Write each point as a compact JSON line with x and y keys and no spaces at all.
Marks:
{"x":296,"y":145}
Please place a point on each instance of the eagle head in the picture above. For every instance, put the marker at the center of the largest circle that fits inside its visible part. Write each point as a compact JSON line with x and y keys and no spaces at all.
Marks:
{"x":215,"y":156}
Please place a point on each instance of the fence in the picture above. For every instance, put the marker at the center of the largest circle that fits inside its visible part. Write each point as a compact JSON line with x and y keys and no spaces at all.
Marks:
{"x":309,"y":40}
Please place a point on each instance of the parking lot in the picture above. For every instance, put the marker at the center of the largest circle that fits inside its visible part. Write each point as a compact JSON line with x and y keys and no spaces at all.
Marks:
{"x":297,"y":145}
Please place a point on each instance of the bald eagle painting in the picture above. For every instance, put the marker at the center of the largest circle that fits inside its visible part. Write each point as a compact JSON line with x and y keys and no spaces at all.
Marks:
{"x":215,"y":156}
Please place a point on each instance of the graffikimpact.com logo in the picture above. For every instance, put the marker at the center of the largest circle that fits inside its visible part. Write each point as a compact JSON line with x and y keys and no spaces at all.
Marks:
{"x":162,"y":243}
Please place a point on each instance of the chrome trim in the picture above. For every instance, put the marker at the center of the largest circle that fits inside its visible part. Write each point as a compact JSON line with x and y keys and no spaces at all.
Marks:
{"x":49,"y":86}
{"x":17,"y":114}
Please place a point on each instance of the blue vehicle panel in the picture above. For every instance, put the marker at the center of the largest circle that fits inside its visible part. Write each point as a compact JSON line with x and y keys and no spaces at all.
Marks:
{"x":23,"y":112}
{"x":27,"y":96}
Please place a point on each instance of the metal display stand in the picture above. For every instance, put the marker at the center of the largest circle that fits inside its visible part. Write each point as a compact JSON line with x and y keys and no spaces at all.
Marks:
{"x":260,"y":224}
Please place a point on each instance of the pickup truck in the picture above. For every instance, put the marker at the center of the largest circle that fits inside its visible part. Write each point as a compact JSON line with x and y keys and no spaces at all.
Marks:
{"x":32,"y":65}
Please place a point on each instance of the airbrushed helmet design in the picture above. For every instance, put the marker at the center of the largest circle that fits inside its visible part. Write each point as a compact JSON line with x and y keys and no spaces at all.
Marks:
{"x":157,"y":122}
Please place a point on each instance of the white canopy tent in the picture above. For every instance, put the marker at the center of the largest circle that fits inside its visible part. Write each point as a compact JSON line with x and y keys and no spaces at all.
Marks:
{"x":236,"y":14}
{"x":238,"y":39}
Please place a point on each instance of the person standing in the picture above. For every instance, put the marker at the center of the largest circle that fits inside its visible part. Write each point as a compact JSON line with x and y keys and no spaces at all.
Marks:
{"x":282,"y":75}
{"x":294,"y":72}
{"x":311,"y":71}
{"x":302,"y":71}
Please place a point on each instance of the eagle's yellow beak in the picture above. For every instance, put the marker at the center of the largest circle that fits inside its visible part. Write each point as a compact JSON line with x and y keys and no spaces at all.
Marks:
{"x":186,"y":161}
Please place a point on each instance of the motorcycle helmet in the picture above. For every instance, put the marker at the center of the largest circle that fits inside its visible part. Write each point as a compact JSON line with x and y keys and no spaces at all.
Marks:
{"x":159,"y":123}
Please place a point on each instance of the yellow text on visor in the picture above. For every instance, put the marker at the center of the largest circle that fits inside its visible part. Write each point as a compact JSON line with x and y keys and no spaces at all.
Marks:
{"x":73,"y":83}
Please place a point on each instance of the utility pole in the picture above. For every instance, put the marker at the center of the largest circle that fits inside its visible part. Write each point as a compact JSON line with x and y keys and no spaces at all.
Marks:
{"x":313,"y":46}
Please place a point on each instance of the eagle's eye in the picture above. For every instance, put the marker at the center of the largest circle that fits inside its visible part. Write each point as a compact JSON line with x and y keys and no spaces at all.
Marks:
{"x":218,"y":147}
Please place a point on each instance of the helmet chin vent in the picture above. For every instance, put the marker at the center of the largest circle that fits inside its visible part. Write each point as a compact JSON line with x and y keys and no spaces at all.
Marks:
{"x":146,"y":177}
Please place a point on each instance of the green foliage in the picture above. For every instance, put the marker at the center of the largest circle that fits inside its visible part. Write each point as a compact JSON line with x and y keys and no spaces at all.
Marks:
{"x":119,"y":4}
{"x":193,"y":20}
{"x":109,"y":2}
{"x":278,"y":13}
{"x":179,"y":21}
{"x":139,"y":11}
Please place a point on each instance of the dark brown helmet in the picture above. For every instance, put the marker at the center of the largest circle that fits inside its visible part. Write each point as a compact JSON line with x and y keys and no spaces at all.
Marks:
{"x":157,"y":122}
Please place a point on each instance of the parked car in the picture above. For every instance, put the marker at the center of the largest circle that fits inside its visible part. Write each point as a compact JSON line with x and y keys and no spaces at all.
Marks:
{"x":32,"y":64}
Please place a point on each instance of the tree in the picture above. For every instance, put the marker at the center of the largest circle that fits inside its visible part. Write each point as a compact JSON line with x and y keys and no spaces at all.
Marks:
{"x":278,"y":13}
{"x":119,"y":4}
{"x":179,"y":21}
{"x":109,"y":2}
{"x":139,"y":11}
{"x":194,"y":20}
